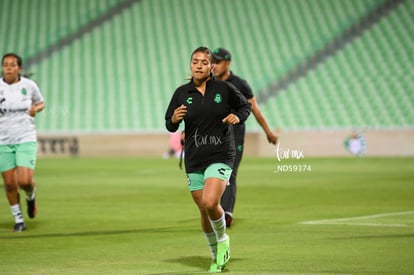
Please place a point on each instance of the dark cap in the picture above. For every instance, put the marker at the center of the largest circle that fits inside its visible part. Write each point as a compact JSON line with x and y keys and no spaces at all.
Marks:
{"x":221,"y":54}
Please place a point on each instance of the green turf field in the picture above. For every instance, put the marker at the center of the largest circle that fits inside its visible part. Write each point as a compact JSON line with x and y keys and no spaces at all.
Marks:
{"x":135,"y":216}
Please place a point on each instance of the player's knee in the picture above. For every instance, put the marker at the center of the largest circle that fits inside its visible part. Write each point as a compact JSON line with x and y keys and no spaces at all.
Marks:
{"x":210,"y":204}
{"x":10,"y":187}
{"x":24,"y":182}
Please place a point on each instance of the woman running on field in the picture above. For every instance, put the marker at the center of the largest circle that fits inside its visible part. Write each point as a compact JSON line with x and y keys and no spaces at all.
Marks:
{"x":209,"y":107}
{"x":20,"y":101}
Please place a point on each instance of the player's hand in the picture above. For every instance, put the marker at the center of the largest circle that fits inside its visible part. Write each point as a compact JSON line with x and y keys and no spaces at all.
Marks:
{"x":179,"y":114}
{"x":33,"y":111}
{"x":272,"y":138}
{"x":231,"y":119}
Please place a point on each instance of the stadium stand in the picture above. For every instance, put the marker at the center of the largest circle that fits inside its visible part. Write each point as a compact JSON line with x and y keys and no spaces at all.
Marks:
{"x":362,"y":85}
{"x":43,"y":22}
{"x":118,"y":67}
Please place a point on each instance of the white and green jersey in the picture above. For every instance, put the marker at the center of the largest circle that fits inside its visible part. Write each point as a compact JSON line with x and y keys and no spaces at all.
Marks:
{"x":16,"y":124}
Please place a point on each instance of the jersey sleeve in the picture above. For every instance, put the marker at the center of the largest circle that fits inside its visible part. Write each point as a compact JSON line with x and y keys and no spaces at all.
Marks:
{"x":246,"y":90}
{"x":239,"y":104}
{"x":36,"y":95}
{"x":171,"y":127}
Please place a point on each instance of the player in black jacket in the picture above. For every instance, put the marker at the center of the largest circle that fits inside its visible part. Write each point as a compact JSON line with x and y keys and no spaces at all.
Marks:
{"x":209,"y":108}
{"x":221,"y":70}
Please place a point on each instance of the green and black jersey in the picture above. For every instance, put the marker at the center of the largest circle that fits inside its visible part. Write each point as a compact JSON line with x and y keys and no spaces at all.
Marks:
{"x":207,"y":139}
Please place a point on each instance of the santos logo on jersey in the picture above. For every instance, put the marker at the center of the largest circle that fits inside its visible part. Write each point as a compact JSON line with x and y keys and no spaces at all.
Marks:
{"x":217,"y":98}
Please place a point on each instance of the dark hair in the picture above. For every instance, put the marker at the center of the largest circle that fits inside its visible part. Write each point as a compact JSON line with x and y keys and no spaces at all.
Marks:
{"x":19,"y":62}
{"x":18,"y":58}
{"x":204,"y":50}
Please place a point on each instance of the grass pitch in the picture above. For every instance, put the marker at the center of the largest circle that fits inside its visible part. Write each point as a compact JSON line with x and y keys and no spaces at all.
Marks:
{"x":136,"y":216}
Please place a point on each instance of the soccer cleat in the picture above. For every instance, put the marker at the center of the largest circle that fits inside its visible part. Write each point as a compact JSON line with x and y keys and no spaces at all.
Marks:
{"x":19,"y":227}
{"x":31,"y":208}
{"x":214,"y":268}
{"x":223,"y":252}
{"x":229,"y":219}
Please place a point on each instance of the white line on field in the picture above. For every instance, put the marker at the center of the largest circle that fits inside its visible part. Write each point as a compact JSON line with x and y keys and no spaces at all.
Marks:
{"x":348,"y":221}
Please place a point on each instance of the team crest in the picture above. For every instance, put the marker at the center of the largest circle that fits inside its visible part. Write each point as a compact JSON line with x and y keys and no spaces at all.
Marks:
{"x":24,"y":92}
{"x":217,"y":98}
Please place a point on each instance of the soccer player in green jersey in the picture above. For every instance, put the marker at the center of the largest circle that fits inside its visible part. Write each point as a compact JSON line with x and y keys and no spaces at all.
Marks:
{"x":20,"y":101}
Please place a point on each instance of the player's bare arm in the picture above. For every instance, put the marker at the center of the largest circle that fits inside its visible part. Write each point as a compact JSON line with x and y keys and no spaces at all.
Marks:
{"x":36,"y":109}
{"x":271,"y":137}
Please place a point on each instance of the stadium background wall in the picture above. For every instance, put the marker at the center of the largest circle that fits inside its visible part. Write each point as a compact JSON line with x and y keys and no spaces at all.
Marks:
{"x":311,"y":143}
{"x":319,"y":69}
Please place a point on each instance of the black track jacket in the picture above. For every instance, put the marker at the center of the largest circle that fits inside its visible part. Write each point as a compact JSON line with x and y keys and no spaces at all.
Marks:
{"x":207,"y":139}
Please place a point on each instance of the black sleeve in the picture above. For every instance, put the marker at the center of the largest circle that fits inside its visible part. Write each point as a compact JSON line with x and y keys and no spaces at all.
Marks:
{"x":246,"y":89}
{"x":239,"y":104}
{"x":171,"y":126}
{"x":169,"y":113}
